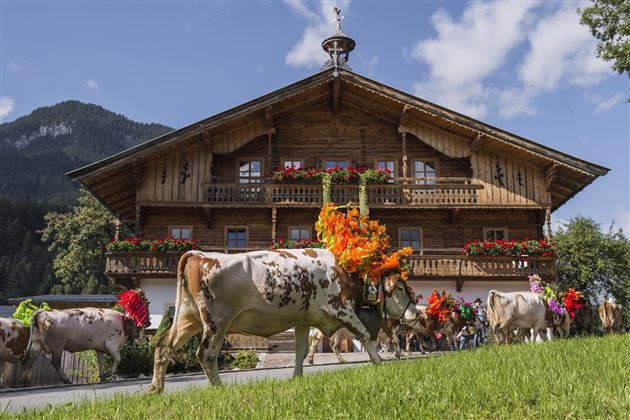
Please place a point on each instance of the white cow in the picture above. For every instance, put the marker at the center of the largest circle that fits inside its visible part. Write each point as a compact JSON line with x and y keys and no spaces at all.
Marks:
{"x":74,"y":330}
{"x":264,"y":293}
{"x":523,"y":311}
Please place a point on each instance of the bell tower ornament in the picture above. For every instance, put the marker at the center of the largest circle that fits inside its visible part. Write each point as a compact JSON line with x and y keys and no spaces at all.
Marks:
{"x":338,"y":46}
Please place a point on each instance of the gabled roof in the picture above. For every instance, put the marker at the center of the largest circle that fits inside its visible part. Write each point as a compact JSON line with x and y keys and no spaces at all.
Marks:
{"x":385,"y":101}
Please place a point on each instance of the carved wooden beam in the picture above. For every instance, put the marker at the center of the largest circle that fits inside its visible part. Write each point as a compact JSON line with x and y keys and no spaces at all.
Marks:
{"x":454,"y":215}
{"x":477,"y":143}
{"x":404,"y":118}
{"x":269,"y":119}
{"x":136,"y":172}
{"x":140,"y":213}
{"x":206,"y":141}
{"x":551,"y":174}
{"x":274,"y":218}
{"x":459,"y":284}
{"x":207,"y":215}
{"x":336,"y":91}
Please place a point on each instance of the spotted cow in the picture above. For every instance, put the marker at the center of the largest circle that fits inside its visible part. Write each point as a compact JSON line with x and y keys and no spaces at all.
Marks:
{"x":264,"y":293}
{"x":74,"y":330}
{"x":14,"y":338}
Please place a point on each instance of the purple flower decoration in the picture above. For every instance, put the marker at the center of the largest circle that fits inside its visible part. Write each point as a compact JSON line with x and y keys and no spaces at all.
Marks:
{"x":535,"y":287}
{"x":555,"y":307}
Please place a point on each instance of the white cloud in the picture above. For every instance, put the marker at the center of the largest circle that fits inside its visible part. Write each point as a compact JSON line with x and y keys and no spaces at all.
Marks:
{"x":7,"y":105}
{"x":561,"y":50}
{"x":604,"y":103}
{"x":465,"y":52}
{"x":91,"y":83}
{"x":470,"y":58}
{"x":14,"y":67}
{"x":308,"y":51}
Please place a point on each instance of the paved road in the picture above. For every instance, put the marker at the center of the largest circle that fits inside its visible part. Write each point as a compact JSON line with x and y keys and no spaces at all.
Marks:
{"x":16,"y":400}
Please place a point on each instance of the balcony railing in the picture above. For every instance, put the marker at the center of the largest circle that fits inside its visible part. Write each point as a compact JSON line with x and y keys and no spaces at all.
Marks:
{"x":448,"y":266}
{"x":121,"y":265}
{"x":419,"y":192}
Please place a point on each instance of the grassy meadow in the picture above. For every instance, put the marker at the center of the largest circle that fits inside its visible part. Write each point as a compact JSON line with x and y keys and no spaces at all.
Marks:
{"x":575,"y":378}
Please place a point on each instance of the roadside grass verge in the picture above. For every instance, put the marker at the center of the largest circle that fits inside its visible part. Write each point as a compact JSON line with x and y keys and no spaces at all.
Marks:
{"x":575,"y":378}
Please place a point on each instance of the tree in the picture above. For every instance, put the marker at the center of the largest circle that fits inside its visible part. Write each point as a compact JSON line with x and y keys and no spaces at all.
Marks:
{"x":609,"y":21}
{"x":594,"y":262}
{"x":78,"y":239}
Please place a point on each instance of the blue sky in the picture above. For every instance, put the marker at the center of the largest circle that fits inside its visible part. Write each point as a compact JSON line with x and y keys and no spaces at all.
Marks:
{"x":525,"y":66}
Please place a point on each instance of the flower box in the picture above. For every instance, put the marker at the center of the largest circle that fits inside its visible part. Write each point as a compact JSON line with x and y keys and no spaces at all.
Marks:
{"x":503,"y":248}
{"x":349,"y":175}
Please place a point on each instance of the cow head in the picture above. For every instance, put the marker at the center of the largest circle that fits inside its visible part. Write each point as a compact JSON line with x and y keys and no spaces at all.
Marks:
{"x":400,"y":302}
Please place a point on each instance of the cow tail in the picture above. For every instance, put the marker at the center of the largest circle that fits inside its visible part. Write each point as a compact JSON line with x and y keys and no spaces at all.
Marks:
{"x":181,"y":287}
{"x":34,"y":326}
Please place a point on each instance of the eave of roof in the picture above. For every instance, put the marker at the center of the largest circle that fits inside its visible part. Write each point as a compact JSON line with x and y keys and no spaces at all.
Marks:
{"x":388,"y":91}
{"x":199,"y":125}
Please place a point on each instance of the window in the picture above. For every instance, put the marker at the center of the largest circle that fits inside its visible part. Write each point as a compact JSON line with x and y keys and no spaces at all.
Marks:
{"x":424,"y":169}
{"x":297,"y":164}
{"x":336,"y":164}
{"x":236,"y":237}
{"x":410,"y":237}
{"x":387,"y":164}
{"x":170,"y":307}
{"x":299,"y":233}
{"x":180,"y":232}
{"x":249,"y":171}
{"x":495,"y":234}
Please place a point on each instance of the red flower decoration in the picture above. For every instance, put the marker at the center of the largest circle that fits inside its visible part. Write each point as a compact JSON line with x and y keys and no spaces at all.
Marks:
{"x":136,"y":306}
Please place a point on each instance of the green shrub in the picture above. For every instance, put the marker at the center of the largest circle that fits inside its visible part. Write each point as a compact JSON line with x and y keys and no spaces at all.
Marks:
{"x":137,"y":358}
{"x":245,"y":359}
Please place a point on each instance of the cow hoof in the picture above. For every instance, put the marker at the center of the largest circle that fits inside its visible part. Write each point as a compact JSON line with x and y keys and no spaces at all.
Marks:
{"x":310,"y":362}
{"x":154,"y":390}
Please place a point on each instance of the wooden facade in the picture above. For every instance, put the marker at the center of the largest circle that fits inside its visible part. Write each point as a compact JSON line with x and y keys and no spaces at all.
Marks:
{"x":480,"y":178}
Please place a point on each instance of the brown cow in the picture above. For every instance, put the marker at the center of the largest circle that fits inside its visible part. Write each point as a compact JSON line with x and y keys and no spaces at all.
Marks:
{"x":13,"y":344}
{"x":266,"y":292}
{"x":612,"y":316}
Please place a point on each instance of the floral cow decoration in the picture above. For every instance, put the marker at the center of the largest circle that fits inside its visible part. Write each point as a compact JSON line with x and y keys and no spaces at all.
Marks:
{"x":441,"y":305}
{"x":572,"y":301}
{"x":538,"y":286}
{"x":135,"y":305}
{"x":361,"y":246}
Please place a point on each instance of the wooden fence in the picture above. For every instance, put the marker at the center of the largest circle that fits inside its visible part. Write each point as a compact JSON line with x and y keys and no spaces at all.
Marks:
{"x":43,"y":374}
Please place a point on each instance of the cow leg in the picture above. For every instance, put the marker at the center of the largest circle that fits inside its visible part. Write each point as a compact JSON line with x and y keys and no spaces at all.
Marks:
{"x":313,"y":346}
{"x":100,"y":359}
{"x":56,"y":362}
{"x":210,"y":348}
{"x":301,"y":348}
{"x":335,"y":344}
{"x":114,"y":352}
{"x":166,"y":345}
{"x":348,"y":318}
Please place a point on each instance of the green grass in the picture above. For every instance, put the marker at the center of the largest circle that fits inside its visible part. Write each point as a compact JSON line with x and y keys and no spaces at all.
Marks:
{"x":577,"y":378}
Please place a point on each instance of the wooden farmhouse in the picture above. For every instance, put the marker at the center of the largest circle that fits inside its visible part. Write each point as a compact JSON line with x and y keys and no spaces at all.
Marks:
{"x":453,"y":179}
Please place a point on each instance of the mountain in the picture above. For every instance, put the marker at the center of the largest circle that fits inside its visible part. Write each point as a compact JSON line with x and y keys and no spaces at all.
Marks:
{"x":38,"y":149}
{"x":35,"y":153}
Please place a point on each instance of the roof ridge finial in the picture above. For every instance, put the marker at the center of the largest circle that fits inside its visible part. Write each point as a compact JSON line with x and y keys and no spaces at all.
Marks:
{"x":338,"y":19}
{"x":338,"y":46}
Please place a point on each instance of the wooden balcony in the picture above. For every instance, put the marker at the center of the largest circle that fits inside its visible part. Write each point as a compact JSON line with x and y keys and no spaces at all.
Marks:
{"x":133,"y":265}
{"x":481,"y":268}
{"x":127,"y":265}
{"x":415,"y":192}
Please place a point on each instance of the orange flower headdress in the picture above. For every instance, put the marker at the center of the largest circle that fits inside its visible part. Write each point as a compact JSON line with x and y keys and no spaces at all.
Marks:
{"x":360,"y":245}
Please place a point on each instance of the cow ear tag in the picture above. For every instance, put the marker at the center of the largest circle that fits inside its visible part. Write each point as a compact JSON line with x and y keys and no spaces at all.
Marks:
{"x":371,"y":293}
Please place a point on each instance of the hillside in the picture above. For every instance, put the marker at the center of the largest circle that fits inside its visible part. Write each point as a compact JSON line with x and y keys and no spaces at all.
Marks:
{"x":37,"y":150}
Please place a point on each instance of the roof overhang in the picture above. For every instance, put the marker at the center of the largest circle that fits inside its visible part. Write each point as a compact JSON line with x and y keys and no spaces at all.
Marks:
{"x":111,"y":179}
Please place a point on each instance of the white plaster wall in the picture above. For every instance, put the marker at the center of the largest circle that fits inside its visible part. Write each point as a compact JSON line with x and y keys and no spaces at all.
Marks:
{"x":161,"y":294}
{"x":470,"y":290}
